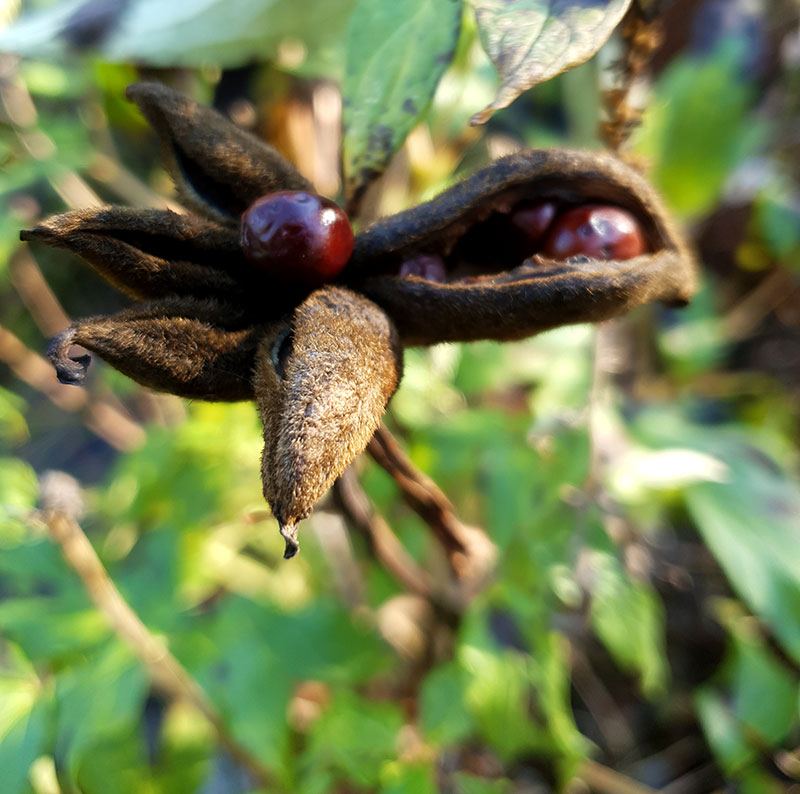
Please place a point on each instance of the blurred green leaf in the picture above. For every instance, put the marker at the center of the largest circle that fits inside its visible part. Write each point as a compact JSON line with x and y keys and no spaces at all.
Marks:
{"x":498,"y":692}
{"x":186,"y":33}
{"x":692,"y":340}
{"x":99,"y":709}
{"x":628,"y":618}
{"x":698,"y":128}
{"x":764,"y":691}
{"x":443,"y":715}
{"x":722,"y":731}
{"x":747,"y":517}
{"x":24,"y":719}
{"x":396,"y":54}
{"x":471,"y":784}
{"x":530,"y":41}
{"x":48,"y":629}
{"x":400,"y":778}
{"x":13,"y":426}
{"x":777,"y":218}
{"x":19,"y":488}
{"x":354,"y":738}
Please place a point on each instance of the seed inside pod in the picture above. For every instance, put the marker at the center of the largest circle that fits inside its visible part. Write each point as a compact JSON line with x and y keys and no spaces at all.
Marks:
{"x":505,"y":242}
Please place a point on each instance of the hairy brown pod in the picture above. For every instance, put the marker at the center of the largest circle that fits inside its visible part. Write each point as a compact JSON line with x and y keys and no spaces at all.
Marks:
{"x":494,"y":292}
{"x":322,"y":363}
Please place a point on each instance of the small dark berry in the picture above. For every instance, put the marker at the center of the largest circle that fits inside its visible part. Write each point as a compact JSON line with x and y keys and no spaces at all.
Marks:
{"x":427,"y":266}
{"x":533,"y":220}
{"x":595,"y":230}
{"x":297,"y":237}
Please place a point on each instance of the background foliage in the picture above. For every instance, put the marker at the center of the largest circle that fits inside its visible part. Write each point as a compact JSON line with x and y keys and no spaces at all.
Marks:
{"x":642,"y":487}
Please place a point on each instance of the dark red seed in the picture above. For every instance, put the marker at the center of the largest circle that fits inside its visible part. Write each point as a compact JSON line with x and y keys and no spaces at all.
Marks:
{"x":598,"y":231}
{"x":533,"y":220}
{"x":297,"y":237}
{"x":427,"y":266}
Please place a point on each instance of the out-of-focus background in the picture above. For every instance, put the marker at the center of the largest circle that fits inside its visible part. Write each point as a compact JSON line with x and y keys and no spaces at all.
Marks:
{"x":642,"y":628}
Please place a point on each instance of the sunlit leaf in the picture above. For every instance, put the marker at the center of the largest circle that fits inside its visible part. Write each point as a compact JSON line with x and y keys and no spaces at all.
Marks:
{"x":530,"y":41}
{"x":396,"y":53}
{"x":748,"y":520}
{"x":408,"y":779}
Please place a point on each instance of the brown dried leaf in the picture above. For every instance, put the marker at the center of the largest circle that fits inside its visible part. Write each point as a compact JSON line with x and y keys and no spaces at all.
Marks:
{"x":530,"y":41}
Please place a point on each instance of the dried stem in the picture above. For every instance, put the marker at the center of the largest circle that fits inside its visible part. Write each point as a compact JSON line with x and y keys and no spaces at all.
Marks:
{"x":102,"y":418}
{"x":383,"y":543}
{"x":35,"y":292}
{"x":167,"y":674}
{"x":469,"y":551}
{"x":641,"y":38}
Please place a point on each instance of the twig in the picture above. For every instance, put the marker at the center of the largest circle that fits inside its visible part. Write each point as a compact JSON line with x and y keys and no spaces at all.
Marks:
{"x":61,"y":496}
{"x":609,"y":718}
{"x":35,"y":292}
{"x":641,"y":38}
{"x":108,"y":422}
{"x":603,"y":780}
{"x":383,"y":543}
{"x":469,"y":551}
{"x":748,"y":313}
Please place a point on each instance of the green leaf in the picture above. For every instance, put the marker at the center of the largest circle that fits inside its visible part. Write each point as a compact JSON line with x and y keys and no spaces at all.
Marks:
{"x":49,"y":629}
{"x":695,"y":144}
{"x":396,"y":54}
{"x":530,"y":41}
{"x":764,"y":691}
{"x":723,"y":732}
{"x":355,"y":738}
{"x":187,"y":33}
{"x":13,"y":426}
{"x":443,"y":715}
{"x":750,"y":525}
{"x":498,"y":692}
{"x":399,"y":778}
{"x":628,"y":618}
{"x":777,"y":217}
{"x":99,"y":709}
{"x":471,"y":784}
{"x":24,"y":719}
{"x":19,"y":488}
{"x":747,"y":516}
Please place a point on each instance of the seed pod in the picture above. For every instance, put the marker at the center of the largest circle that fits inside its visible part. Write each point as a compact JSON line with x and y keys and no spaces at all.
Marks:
{"x":321,"y":363}
{"x":493,"y":291}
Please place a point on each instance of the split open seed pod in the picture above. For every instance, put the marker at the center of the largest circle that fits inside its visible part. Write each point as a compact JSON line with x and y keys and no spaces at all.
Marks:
{"x":491,"y":289}
{"x":321,"y":364}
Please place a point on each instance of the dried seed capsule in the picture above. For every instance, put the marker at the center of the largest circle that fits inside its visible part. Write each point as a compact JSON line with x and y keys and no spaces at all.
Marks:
{"x":492,"y":289}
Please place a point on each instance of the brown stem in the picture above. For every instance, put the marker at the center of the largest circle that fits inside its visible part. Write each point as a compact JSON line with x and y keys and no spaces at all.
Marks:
{"x":113,"y":426}
{"x":641,"y":37}
{"x":384,"y":544}
{"x":469,"y":551}
{"x":35,"y":292}
{"x":61,"y":496}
